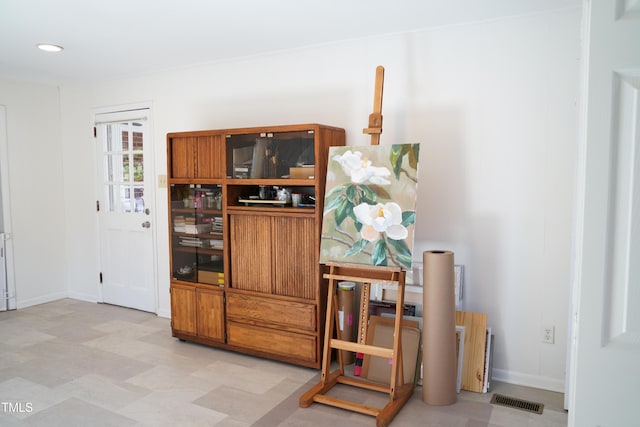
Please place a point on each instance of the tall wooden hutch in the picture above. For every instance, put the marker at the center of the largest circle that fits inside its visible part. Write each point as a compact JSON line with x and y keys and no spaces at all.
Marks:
{"x":245,"y":272}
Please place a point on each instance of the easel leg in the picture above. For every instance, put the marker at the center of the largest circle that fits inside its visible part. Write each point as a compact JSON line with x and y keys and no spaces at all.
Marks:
{"x":328,"y":330}
{"x":399,"y":392}
{"x":397,"y":374}
{"x":328,"y":379}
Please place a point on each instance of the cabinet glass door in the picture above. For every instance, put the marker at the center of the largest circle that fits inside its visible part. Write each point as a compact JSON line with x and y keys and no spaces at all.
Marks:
{"x":269,"y":155}
{"x":272,"y":169}
{"x":196,"y":233}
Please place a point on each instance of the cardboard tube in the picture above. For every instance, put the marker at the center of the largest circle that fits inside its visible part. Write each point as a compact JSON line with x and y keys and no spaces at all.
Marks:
{"x":346,"y":324}
{"x":439,"y":329}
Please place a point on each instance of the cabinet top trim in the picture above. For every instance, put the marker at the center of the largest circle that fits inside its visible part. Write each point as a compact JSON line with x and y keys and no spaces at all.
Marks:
{"x":278,"y":128}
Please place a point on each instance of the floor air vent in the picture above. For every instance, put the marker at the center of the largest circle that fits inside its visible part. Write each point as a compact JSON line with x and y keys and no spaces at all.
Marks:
{"x":511,"y":402}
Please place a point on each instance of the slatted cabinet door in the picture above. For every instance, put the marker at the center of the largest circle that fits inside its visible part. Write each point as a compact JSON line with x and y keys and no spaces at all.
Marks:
{"x":196,"y":156}
{"x":182,"y":153}
{"x":251,"y":240}
{"x":296,"y":272}
{"x":210,"y":150}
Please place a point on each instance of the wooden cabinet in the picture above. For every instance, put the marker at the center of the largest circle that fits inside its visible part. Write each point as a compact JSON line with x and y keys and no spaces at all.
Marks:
{"x":197,"y":313}
{"x":245,"y":260}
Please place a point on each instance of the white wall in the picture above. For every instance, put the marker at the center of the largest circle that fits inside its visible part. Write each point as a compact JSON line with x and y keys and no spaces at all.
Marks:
{"x":493,"y":105}
{"x":36,"y":192}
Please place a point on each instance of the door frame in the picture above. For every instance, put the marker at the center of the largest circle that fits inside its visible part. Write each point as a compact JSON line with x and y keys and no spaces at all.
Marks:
{"x":5,"y":193}
{"x":123,"y":108}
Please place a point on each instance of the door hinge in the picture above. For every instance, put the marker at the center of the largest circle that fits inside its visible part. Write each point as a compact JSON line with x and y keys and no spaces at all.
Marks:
{"x":97,"y":205}
{"x":95,"y":132}
{"x":100,"y":277}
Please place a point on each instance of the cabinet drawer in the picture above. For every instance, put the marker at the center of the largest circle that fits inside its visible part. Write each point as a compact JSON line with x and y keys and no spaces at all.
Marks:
{"x":271,"y":312}
{"x":281,"y":343}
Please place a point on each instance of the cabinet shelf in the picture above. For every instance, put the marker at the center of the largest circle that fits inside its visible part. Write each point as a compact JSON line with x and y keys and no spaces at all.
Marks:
{"x":289,"y":210}
{"x":281,"y":182}
{"x":192,"y":211}
{"x":196,"y":181}
{"x":200,"y":235}
{"x":194,"y":250}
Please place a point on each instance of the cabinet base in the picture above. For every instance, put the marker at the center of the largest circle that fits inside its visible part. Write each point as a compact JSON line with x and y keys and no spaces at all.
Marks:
{"x":244,"y":350}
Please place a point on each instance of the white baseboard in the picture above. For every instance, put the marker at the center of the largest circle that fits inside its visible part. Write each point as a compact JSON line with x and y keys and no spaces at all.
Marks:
{"x":544,"y":383}
{"x":40,"y":300}
{"x":83,"y":297}
{"x":164,"y":313}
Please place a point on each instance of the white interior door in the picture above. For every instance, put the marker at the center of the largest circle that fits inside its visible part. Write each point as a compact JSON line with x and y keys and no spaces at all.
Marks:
{"x":605,"y":374}
{"x":125,"y":198}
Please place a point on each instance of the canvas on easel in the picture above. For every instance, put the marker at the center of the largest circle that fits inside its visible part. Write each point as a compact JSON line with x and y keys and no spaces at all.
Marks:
{"x":369,"y":207}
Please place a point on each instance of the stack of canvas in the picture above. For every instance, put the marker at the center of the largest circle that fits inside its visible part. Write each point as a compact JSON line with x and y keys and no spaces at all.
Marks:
{"x":477,"y":353}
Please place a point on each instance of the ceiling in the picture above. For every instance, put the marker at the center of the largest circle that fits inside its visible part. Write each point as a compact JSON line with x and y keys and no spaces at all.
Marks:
{"x":112,"y":39}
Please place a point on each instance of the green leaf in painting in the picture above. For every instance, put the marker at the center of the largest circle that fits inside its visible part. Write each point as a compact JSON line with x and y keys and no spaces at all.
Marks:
{"x":395,"y":157}
{"x":413,"y":155}
{"x":335,"y":191}
{"x":379,"y":255}
{"x":398,"y":245}
{"x":352,"y":194}
{"x":356,"y":223}
{"x":404,"y":260}
{"x":350,"y":214}
{"x":408,"y":218}
{"x":368,"y":195}
{"x":332,"y":203}
{"x":402,"y":252}
{"x":343,"y":211}
{"x":356,"y":248}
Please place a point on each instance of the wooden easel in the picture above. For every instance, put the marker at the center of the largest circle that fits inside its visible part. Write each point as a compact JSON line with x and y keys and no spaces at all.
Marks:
{"x":399,"y":392}
{"x":375,"y":118}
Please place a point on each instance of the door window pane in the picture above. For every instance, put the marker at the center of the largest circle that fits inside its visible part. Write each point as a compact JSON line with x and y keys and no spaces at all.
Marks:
{"x":124,"y":167}
{"x":138,"y":193}
{"x":138,"y":168}
{"x":137,"y":139}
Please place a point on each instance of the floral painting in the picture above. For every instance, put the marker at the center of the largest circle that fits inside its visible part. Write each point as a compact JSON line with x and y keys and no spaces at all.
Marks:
{"x":369,"y":206}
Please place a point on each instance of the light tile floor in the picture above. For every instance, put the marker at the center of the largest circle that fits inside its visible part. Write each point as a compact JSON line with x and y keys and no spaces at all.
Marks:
{"x":73,"y":363}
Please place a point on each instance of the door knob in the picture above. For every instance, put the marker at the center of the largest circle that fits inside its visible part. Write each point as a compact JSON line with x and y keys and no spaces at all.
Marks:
{"x":146,"y":224}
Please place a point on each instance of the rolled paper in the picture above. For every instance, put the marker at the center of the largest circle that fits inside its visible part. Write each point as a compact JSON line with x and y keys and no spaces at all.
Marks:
{"x":439,"y":359}
{"x":346,"y":308}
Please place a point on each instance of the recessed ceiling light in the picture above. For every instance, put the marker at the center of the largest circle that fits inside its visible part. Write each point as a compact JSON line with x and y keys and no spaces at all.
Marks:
{"x":50,"y":47}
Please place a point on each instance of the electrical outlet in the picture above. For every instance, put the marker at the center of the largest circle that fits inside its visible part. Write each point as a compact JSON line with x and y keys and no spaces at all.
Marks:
{"x":548,"y":334}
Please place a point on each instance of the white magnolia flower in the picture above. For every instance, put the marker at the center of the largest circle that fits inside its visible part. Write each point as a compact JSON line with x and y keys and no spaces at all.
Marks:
{"x":360,"y":170}
{"x":380,"y":218}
